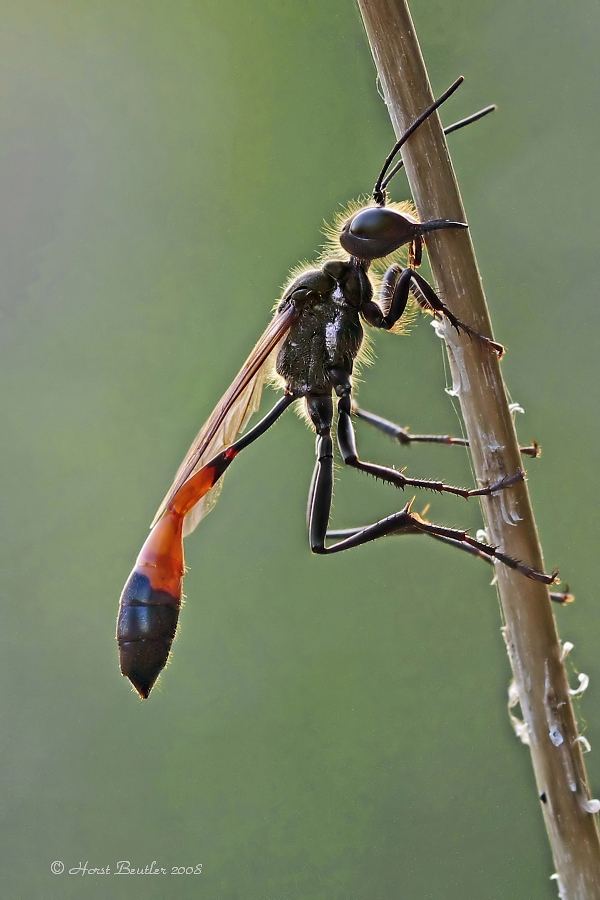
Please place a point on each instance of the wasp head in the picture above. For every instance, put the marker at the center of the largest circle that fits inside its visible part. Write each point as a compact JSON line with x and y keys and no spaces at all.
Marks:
{"x":377,"y":231}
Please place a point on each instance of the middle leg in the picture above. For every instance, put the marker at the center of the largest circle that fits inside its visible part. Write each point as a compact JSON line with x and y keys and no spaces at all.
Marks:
{"x":403,"y":436}
{"x":347,"y":445}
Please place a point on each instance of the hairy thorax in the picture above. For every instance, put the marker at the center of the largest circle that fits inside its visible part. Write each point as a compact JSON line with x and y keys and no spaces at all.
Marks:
{"x":327,"y":335}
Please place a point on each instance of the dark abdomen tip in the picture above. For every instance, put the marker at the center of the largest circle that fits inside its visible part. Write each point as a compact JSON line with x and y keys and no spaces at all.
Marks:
{"x":145,"y":631}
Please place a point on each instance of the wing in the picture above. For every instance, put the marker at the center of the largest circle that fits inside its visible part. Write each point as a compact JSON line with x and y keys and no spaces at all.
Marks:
{"x":228,"y":418}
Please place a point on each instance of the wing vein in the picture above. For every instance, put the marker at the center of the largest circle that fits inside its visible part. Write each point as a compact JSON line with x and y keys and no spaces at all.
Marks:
{"x":237,"y":404}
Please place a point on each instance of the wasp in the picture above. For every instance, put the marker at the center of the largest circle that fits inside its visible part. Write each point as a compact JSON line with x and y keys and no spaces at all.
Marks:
{"x":315,"y":338}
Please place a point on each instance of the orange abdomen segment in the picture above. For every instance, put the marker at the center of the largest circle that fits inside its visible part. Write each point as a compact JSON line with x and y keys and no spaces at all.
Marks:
{"x":151,"y":598}
{"x":150,"y":604}
{"x":200,"y":484}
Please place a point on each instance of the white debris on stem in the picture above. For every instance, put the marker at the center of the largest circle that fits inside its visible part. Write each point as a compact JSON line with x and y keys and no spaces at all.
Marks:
{"x":566,"y":649}
{"x":584,"y":681}
{"x":482,"y":535}
{"x":458,"y":370}
{"x":584,"y":743}
{"x":561,"y":888}
{"x":520,"y":727}
{"x":591,"y":806}
{"x":510,"y":516}
{"x":490,"y":442}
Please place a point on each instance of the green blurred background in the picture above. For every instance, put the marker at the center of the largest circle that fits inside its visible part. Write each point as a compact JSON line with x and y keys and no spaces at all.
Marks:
{"x":327,"y":728}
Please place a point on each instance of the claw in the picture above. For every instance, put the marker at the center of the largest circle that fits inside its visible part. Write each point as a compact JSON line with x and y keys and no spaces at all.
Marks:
{"x":534,"y":450}
{"x":562,"y":597}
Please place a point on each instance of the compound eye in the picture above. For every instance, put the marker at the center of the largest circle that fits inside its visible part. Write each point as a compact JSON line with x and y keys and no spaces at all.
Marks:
{"x":377,"y":231}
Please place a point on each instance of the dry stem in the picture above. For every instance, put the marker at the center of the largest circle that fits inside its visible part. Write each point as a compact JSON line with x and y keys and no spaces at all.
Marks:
{"x":530,"y":632}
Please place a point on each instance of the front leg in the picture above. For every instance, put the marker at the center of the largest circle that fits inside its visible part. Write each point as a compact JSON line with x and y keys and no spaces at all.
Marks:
{"x":396,"y":286}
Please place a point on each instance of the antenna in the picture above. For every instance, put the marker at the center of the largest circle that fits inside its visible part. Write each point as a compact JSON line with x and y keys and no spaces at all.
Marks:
{"x":449,"y":130}
{"x":378,"y":192}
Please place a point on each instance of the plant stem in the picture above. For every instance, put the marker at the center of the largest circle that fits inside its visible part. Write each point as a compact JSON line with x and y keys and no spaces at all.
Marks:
{"x":530,"y":632}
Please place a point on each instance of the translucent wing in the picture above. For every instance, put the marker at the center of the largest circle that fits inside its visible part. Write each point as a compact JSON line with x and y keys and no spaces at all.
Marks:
{"x":228,"y":418}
